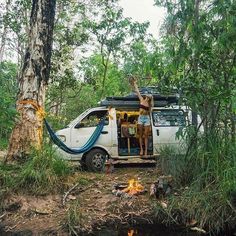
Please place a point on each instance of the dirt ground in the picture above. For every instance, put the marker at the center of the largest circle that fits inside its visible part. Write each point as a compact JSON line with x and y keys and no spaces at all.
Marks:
{"x":87,"y":204}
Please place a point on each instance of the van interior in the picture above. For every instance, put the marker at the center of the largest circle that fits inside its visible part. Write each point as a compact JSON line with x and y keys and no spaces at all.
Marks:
{"x":128,"y":135}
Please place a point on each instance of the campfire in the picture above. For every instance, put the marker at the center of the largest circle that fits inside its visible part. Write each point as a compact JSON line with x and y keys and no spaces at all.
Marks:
{"x":130,"y":232}
{"x":133,"y":188}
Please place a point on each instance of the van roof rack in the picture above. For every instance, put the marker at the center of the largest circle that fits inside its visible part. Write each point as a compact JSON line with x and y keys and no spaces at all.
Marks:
{"x":132,"y":100}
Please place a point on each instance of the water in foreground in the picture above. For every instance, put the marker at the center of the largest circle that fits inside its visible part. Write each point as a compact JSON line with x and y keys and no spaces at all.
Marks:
{"x":145,"y":230}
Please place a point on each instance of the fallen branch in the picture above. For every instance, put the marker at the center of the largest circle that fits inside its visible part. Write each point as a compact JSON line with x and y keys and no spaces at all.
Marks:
{"x":200,"y":230}
{"x":2,"y":215}
{"x":67,"y":193}
{"x":71,"y":189}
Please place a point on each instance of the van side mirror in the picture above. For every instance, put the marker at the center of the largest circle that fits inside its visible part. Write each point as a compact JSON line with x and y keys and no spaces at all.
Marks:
{"x":79,"y":125}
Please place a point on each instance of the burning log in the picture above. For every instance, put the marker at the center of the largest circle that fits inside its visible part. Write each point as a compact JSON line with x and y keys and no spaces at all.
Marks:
{"x":134,"y":188}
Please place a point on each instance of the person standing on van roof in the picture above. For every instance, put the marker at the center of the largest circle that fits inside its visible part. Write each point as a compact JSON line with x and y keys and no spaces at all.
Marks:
{"x":144,"y":122}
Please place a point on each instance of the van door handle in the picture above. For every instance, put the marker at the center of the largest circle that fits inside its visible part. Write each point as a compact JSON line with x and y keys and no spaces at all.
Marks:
{"x":158,"y":133}
{"x":104,"y":132}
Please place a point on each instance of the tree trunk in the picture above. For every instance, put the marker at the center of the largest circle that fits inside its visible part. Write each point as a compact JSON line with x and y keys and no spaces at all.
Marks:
{"x":33,"y":81}
{"x":4,"y":33}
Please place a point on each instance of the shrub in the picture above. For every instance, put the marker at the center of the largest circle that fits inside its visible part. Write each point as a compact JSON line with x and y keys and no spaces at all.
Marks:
{"x":206,"y":182}
{"x":43,"y":172}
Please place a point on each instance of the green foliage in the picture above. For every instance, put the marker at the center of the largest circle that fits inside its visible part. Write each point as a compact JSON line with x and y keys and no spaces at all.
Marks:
{"x":177,"y":165}
{"x":65,"y":84}
{"x":43,"y":172}
{"x":206,"y":182}
{"x":3,"y":142}
{"x":14,"y":25}
{"x":7,"y":175}
{"x":199,"y":58}
{"x":73,"y":218}
{"x":103,"y":29}
{"x":93,"y":75}
{"x":196,"y":55}
{"x":144,"y":59}
{"x":210,"y":208}
{"x":112,"y":33}
{"x":83,"y":181}
{"x":7,"y":100}
{"x":8,"y":179}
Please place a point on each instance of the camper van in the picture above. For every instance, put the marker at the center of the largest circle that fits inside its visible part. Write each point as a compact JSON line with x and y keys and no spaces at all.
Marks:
{"x":119,"y":137}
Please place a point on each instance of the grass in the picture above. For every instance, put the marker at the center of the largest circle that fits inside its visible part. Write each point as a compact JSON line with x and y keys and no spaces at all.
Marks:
{"x":73,"y":218}
{"x":41,"y":173}
{"x":209,"y":207}
{"x":3,"y":143}
{"x":206,"y":183}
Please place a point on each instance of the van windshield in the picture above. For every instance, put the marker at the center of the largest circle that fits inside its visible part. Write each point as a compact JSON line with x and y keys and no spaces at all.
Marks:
{"x":75,"y":120}
{"x":93,"y":118}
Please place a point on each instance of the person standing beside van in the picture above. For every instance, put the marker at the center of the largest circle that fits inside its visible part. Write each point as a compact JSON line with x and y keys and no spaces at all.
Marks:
{"x":144,"y":122}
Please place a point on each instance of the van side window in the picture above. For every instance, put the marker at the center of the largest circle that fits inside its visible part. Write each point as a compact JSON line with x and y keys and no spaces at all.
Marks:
{"x":93,"y":118}
{"x":167,"y":118}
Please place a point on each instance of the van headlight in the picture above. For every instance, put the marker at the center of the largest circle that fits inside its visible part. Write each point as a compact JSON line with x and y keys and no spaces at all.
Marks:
{"x":62,"y":138}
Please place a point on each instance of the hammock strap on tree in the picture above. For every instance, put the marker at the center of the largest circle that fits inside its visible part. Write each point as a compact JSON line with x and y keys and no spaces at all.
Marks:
{"x":40,"y":113}
{"x":86,"y":147}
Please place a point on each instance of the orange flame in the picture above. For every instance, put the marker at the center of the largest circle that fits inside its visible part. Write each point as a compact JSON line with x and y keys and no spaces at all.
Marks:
{"x":130,"y":232}
{"x":134,"y":187}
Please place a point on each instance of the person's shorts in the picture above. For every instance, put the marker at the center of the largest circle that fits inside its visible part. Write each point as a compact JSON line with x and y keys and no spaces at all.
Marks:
{"x":144,"y":120}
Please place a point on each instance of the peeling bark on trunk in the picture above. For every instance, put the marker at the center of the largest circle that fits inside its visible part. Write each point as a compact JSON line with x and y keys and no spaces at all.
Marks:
{"x":33,"y":80}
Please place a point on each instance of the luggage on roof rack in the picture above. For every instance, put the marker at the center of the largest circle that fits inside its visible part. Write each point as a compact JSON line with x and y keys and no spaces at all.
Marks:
{"x":132,"y":99}
{"x":130,"y":104}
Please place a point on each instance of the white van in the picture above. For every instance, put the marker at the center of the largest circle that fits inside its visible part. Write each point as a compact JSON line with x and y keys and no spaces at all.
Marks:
{"x":119,"y":137}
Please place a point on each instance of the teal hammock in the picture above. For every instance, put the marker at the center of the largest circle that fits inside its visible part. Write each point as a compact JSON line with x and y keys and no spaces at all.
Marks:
{"x":86,"y":147}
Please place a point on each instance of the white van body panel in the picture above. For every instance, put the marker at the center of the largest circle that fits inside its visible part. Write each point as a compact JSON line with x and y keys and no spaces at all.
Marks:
{"x":77,"y":137}
{"x":162,"y":133}
{"x":166,"y":122}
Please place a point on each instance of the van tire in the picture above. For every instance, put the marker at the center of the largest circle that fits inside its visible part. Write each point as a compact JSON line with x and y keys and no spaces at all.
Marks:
{"x":83,"y":165}
{"x":95,"y":160}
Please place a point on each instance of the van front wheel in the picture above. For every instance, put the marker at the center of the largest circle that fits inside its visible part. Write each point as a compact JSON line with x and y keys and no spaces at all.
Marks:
{"x":95,"y":160}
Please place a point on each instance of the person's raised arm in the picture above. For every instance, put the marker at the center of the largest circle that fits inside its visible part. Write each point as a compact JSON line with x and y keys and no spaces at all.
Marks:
{"x":135,"y":86}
